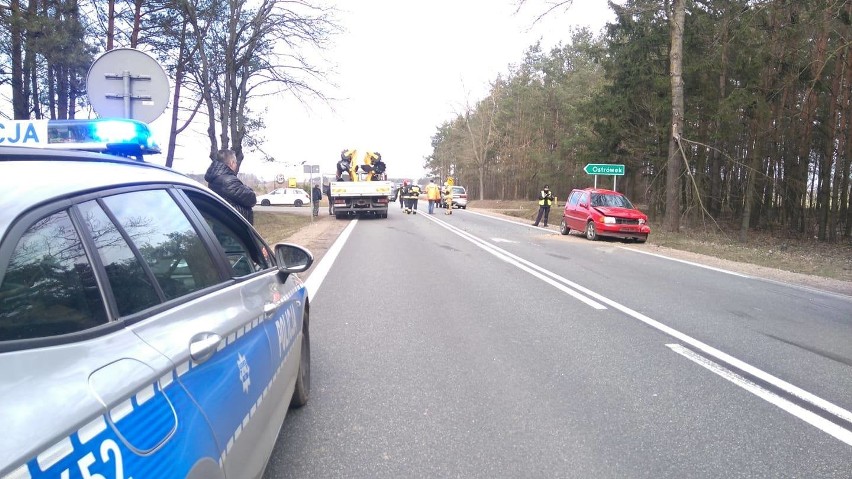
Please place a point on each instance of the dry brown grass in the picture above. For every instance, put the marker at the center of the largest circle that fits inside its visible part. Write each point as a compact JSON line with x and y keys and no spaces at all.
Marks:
{"x":275,"y":227}
{"x":808,"y":257}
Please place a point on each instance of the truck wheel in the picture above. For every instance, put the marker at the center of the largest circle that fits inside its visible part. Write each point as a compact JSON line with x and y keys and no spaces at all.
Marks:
{"x":339,"y":216}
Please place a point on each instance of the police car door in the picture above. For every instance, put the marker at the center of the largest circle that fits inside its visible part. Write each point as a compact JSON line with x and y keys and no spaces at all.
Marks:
{"x":208,"y":325}
{"x":234,"y":369}
{"x":82,"y":396}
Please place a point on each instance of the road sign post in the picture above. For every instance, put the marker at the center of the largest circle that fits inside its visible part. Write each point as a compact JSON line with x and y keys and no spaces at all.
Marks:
{"x":596,"y":170}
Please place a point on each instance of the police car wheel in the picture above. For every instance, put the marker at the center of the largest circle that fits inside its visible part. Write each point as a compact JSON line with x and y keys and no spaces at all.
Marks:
{"x":297,"y":203}
{"x":303,"y":378}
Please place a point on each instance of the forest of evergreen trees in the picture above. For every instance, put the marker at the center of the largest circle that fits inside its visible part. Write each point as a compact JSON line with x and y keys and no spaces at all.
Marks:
{"x":766,"y":134}
{"x":763,"y":142}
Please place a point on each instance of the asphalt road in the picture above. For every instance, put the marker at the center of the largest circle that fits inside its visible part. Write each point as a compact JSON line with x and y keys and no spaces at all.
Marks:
{"x":468,"y":346}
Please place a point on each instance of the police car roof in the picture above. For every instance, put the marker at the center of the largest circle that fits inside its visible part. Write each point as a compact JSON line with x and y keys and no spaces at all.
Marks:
{"x":29,"y":176}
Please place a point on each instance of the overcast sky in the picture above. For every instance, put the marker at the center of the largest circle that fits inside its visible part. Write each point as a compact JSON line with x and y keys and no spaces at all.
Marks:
{"x":402,"y":69}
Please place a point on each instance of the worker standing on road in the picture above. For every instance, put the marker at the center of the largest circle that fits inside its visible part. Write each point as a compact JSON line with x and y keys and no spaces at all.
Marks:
{"x":433,"y":194}
{"x":316,"y":197}
{"x":411,"y":193}
{"x":401,"y":196}
{"x":326,"y":188}
{"x":448,"y":198}
{"x":545,"y":198}
{"x":415,"y":195}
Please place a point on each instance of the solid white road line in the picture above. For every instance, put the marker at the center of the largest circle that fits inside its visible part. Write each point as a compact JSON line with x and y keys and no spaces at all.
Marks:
{"x":319,"y":273}
{"x":699,"y":265}
{"x":734,"y":273}
{"x":705,"y":348}
{"x":520,"y":263}
{"x":809,"y":417}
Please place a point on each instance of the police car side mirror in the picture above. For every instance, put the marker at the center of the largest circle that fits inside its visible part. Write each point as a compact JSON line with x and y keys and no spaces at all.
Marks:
{"x":292,"y":258}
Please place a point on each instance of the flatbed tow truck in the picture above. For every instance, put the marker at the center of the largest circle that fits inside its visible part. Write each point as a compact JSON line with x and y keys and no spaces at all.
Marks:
{"x":367,"y":191}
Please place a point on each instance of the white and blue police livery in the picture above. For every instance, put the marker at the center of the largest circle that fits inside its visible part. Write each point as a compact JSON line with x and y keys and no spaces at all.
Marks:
{"x":146,"y":330}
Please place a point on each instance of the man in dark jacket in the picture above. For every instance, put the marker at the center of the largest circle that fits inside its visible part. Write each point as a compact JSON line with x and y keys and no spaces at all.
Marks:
{"x":222,"y":178}
{"x":316,"y":197}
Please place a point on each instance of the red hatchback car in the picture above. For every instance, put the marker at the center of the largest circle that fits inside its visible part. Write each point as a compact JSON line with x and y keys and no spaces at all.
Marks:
{"x":598,"y":212}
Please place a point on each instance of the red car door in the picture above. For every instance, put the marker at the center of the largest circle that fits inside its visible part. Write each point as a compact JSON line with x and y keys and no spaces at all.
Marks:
{"x":575,"y":213}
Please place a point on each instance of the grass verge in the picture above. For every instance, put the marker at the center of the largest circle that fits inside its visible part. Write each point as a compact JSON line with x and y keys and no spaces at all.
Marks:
{"x":276,"y":227}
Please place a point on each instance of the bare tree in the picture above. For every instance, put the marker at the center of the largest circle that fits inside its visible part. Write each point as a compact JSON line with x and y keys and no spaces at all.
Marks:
{"x":246,"y":53}
{"x":481,"y":126}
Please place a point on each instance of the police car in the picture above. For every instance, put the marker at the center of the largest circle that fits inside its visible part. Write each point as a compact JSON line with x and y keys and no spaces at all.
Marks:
{"x":146,"y":329}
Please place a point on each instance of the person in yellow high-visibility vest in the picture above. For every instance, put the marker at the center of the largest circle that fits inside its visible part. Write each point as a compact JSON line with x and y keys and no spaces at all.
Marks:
{"x":433,"y":194}
{"x":545,"y":199}
{"x":448,"y":198}
{"x":411,"y":196}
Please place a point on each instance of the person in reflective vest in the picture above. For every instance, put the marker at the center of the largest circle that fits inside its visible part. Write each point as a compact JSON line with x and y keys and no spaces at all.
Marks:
{"x":545,"y":198}
{"x":412,"y":193}
{"x":433,"y":194}
{"x":448,"y":198}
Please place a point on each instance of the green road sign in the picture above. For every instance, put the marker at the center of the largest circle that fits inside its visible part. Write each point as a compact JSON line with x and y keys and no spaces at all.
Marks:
{"x":594,"y":169}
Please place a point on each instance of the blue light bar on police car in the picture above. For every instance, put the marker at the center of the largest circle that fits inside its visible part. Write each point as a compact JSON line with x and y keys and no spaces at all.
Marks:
{"x":115,"y":135}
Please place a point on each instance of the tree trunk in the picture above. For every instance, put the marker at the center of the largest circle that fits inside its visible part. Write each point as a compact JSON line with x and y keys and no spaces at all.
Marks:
{"x":62,"y":92}
{"x":808,"y":114}
{"x":110,"y":24}
{"x":751,"y":176}
{"x":179,"y":76}
{"x":845,"y":149}
{"x":75,"y":78}
{"x":20,"y":110}
{"x":827,"y":165}
{"x":674,"y":165}
{"x":715,"y":170}
{"x":137,"y":23}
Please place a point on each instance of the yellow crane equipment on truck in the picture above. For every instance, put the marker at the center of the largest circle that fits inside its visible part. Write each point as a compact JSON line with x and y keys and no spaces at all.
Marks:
{"x":367,"y":190}
{"x":372,"y":168}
